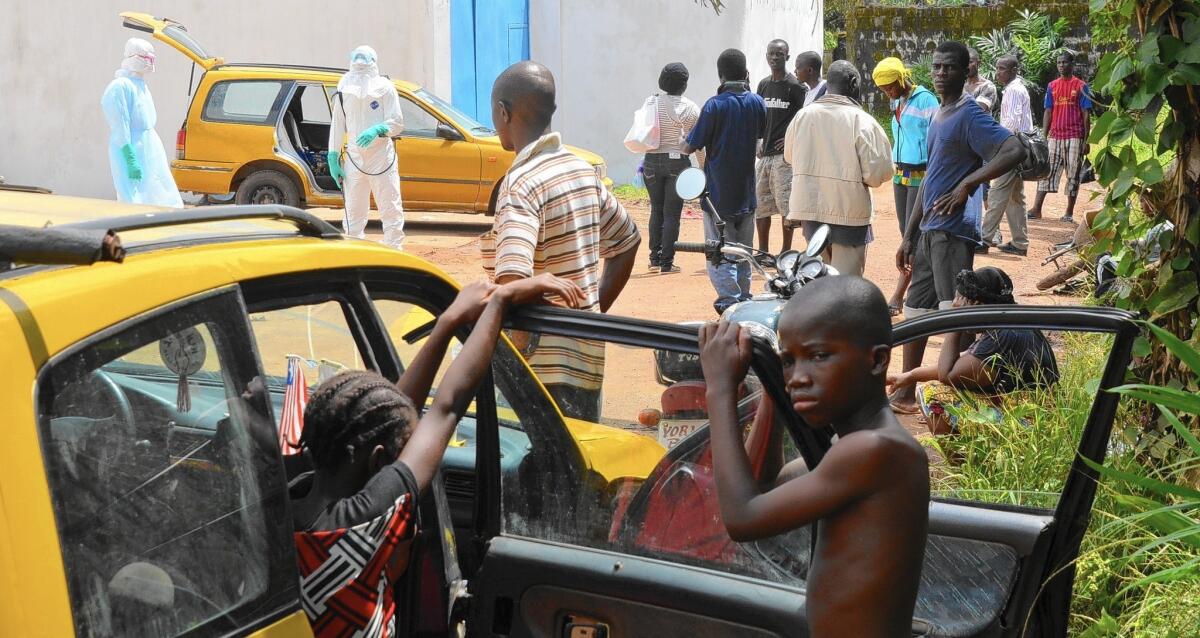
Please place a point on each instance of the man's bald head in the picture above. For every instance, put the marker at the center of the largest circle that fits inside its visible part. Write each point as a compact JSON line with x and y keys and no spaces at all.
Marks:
{"x":526,"y":91}
{"x":852,"y":306}
{"x":843,"y":79}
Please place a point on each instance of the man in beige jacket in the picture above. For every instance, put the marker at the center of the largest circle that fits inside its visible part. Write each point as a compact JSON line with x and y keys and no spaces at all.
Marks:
{"x":838,"y":153}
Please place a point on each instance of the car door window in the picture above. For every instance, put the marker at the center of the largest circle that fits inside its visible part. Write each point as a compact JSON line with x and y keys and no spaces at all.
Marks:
{"x":244,"y":101}
{"x":1012,"y":416}
{"x":645,"y":484}
{"x":165,"y":479}
{"x":1010,"y":442}
{"x":304,"y":344}
{"x":313,"y":106}
{"x":417,"y":121}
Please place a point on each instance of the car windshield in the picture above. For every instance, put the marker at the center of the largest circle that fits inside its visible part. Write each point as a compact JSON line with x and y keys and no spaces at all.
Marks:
{"x":460,"y":118}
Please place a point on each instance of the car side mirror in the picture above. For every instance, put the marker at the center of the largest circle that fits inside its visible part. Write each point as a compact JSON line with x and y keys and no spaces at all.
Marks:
{"x":449,"y":133}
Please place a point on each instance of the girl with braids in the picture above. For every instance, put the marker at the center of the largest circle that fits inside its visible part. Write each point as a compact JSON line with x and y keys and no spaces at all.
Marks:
{"x":997,"y":362}
{"x":354,"y":519}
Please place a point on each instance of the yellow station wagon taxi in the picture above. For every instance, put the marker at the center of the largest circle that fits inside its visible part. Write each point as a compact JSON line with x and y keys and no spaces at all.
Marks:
{"x":141,"y":494}
{"x":260,"y":131}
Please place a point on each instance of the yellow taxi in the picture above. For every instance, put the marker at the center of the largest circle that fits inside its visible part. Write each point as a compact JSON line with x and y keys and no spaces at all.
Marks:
{"x":142,"y":490}
{"x":261,"y":131}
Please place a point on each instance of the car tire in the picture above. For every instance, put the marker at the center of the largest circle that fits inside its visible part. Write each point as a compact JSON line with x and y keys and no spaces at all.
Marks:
{"x":267,"y":187}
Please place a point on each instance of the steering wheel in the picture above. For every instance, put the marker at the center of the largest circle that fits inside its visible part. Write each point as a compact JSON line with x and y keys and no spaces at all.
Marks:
{"x":116,"y":398}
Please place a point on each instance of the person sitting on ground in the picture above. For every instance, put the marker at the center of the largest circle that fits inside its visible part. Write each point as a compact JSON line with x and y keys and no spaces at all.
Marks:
{"x":912,"y":109}
{"x":998,"y":362}
{"x":870,"y":494}
{"x":838,"y":153}
{"x":354,"y":514}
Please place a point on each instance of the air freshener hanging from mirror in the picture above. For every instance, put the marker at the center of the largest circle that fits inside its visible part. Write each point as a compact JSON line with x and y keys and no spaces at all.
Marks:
{"x":183,"y":353}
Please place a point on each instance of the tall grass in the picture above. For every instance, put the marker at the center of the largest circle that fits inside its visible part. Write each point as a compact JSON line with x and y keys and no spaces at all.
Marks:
{"x":1138,"y":573}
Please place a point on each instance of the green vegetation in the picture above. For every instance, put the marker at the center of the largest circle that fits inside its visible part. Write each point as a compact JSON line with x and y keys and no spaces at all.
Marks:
{"x":628,"y":192}
{"x":1138,"y":573}
{"x":1032,"y":37}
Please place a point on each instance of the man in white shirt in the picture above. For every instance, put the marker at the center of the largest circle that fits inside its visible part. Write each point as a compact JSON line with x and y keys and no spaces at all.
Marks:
{"x":1007,"y":194}
{"x":808,"y":71}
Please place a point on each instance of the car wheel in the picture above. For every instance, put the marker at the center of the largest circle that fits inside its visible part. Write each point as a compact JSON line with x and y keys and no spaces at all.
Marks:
{"x":267,"y":187}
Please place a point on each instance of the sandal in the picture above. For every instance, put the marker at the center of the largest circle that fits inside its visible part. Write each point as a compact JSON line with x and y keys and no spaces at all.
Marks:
{"x":895,"y":311}
{"x":899,"y":409}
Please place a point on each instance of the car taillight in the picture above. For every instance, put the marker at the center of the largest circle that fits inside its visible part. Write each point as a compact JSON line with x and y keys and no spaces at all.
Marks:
{"x":180,"y":142}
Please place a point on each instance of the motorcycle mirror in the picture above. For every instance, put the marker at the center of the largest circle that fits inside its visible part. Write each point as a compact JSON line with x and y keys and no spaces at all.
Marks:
{"x":690,"y":184}
{"x":816,"y":244}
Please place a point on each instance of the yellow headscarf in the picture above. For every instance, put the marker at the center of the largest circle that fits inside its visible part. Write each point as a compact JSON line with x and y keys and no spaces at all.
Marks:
{"x":891,"y":70}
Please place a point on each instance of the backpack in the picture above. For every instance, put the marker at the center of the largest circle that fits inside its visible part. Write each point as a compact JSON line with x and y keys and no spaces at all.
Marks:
{"x":1036,"y":165}
{"x":643,"y":136}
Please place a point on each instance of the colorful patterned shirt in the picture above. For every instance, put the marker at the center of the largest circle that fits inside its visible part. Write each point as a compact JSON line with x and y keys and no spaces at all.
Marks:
{"x":553,"y":215}
{"x":1069,"y":99}
{"x":346,"y":573}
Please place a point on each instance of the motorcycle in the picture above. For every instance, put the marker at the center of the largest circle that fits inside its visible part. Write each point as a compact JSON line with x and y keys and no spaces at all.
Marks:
{"x":783,"y":274}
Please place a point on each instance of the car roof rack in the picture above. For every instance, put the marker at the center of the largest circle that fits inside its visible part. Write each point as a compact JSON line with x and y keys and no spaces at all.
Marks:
{"x":269,"y":65}
{"x":308,"y":224}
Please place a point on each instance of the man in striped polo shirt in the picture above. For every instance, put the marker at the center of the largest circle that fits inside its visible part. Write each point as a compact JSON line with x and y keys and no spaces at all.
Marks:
{"x":553,"y":215}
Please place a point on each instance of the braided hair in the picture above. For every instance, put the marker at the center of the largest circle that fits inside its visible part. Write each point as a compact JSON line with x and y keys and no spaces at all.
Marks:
{"x":987,"y":285}
{"x":354,"y":410}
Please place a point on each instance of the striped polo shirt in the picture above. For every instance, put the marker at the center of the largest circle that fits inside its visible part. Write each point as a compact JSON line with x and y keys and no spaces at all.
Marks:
{"x":553,"y":215}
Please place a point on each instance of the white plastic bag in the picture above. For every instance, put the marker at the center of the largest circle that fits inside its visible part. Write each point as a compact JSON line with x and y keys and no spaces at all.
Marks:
{"x":643,"y":135}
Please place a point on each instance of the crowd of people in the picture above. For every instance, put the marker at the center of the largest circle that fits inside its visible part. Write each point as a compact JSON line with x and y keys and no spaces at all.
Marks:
{"x":800,"y":148}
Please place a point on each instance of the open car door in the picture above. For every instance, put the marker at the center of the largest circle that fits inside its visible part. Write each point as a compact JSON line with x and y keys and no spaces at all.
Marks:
{"x":572,"y":556}
{"x":174,"y":34}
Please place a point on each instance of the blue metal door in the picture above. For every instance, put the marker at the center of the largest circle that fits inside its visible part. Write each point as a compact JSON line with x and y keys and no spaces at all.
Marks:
{"x":486,"y":36}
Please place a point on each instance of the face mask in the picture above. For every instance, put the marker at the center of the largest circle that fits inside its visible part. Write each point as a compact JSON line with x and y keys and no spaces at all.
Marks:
{"x":139,"y":63}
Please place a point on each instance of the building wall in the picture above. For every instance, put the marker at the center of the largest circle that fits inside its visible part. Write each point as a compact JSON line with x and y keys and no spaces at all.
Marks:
{"x":56,"y":57}
{"x":910,"y":33}
{"x":606,"y":56}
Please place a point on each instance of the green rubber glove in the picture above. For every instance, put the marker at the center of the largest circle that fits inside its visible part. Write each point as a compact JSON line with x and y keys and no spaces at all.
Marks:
{"x":366,"y":137}
{"x":132,"y":169}
{"x":335,"y":167}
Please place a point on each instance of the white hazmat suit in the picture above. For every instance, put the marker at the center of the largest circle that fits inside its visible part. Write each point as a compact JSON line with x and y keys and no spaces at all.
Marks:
{"x":140,"y":170}
{"x":367,"y":103}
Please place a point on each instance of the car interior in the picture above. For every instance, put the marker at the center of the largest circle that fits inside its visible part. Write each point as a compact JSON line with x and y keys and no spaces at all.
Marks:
{"x":304,"y":127}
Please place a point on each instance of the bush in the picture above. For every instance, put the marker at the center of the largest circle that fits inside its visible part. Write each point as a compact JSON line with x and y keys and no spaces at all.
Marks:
{"x":1138,"y":572}
{"x":1032,"y":37}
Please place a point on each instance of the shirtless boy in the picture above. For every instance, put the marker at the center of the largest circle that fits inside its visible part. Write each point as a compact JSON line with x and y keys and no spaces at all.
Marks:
{"x":870,"y":494}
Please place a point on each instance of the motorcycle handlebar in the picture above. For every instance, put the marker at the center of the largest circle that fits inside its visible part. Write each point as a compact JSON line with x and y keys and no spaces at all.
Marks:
{"x":695,"y":246}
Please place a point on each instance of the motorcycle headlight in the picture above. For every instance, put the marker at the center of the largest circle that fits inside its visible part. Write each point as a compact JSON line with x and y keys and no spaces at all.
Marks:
{"x":601,"y":171}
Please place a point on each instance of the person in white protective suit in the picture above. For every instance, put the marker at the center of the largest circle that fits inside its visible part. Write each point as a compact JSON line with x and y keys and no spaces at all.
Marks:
{"x":140,"y":170}
{"x":366,"y":110}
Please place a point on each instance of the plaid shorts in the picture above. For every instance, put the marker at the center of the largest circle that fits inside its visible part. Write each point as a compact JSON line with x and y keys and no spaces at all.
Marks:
{"x":773,"y":186}
{"x":1065,"y":156}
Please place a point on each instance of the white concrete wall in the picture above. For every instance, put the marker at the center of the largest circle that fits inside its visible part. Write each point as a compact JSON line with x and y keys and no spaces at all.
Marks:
{"x":606,"y":56}
{"x":56,"y":57}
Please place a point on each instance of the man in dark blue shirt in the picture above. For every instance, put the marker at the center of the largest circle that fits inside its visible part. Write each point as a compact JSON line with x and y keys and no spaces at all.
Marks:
{"x":729,"y":128}
{"x":942,"y":233}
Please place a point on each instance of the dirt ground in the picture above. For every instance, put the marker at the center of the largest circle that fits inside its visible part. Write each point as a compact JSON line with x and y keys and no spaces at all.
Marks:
{"x":451,"y":242}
